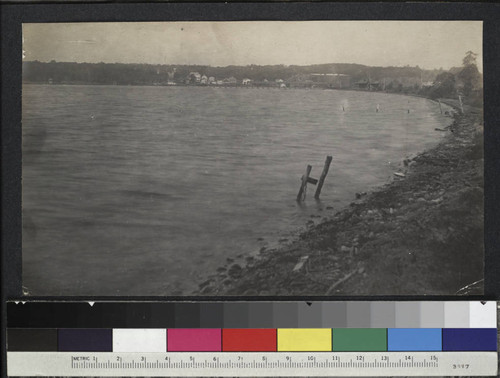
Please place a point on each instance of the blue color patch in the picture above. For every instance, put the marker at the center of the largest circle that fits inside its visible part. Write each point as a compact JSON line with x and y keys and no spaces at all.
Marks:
{"x":469,"y":339}
{"x":413,"y":339}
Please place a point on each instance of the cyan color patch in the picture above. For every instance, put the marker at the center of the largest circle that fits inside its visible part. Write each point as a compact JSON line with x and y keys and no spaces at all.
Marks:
{"x":414,"y":339}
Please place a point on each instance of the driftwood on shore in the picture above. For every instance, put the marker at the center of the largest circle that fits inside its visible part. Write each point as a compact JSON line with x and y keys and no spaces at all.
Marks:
{"x":300,"y":264}
{"x":342,"y":280}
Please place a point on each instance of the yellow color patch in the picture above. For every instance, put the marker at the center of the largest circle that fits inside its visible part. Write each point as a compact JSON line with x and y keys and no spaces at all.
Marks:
{"x":304,"y":339}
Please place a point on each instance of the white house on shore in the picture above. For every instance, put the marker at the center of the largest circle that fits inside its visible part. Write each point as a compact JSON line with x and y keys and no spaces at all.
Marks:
{"x":194,"y":77}
{"x":246,"y":81}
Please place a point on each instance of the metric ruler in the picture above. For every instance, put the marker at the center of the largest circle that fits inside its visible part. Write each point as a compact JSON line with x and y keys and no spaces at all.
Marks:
{"x":252,"y":364}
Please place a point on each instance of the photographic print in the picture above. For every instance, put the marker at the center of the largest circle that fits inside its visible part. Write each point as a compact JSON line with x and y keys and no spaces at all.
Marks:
{"x":256,"y":158}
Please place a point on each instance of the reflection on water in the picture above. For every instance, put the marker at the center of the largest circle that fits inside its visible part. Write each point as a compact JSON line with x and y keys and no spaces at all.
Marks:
{"x":147,"y":190}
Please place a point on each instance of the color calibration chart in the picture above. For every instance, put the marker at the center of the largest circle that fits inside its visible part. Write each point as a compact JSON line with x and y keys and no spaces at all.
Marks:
{"x":362,"y":338}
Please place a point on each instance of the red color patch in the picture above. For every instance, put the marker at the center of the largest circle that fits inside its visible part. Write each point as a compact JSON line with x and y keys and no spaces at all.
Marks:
{"x":249,"y":340}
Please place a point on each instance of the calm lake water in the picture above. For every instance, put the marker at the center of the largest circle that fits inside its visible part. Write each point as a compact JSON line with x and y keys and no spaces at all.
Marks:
{"x":147,"y":190}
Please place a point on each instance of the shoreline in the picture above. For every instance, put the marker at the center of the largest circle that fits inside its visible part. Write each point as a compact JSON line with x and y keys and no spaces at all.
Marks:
{"x":421,"y":234}
{"x":350,"y":89}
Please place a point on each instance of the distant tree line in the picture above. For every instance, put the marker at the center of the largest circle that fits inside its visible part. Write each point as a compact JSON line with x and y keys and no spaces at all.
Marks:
{"x":148,"y":74}
{"x":438,"y":83}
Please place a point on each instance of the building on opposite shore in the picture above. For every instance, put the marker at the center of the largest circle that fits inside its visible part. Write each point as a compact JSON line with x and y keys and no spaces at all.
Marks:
{"x":193,"y":78}
{"x":331,"y":80}
{"x":369,"y":85}
{"x":319,"y":80}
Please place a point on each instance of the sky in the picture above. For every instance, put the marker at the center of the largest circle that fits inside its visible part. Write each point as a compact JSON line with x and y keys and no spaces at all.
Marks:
{"x":428,"y":44}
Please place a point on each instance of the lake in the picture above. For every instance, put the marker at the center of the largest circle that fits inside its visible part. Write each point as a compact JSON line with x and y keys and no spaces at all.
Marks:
{"x":147,"y":190}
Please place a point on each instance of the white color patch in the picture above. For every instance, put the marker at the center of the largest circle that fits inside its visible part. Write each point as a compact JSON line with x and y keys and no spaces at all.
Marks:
{"x":483,"y":315}
{"x":139,"y":340}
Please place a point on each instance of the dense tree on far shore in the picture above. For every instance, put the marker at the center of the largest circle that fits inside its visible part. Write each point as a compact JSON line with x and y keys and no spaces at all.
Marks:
{"x":465,"y":81}
{"x":444,"y":86}
{"x":470,"y":75}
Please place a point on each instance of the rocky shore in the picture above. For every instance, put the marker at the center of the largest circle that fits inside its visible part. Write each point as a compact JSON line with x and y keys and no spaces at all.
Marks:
{"x":422,"y":234}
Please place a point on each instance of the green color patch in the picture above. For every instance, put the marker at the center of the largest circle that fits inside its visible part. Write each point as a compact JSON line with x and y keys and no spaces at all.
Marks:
{"x":359,"y":339}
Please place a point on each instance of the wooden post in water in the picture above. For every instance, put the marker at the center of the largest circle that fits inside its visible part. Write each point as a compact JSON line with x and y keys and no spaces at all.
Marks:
{"x":440,"y":107}
{"x":461,"y":104}
{"x":302,"y":191}
{"x":323,"y":176}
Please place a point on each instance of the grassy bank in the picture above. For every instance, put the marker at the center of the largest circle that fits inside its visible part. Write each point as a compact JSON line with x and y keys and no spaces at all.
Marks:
{"x":420,"y":234}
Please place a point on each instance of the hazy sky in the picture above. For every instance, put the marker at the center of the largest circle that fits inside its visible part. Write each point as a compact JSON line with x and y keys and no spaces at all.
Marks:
{"x":429,"y":44}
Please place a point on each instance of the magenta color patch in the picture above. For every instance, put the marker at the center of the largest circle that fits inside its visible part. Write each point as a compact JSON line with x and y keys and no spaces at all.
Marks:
{"x":194,"y":340}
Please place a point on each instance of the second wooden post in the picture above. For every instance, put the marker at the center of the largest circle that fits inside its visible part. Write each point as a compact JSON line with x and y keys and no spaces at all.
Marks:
{"x":323,"y":176}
